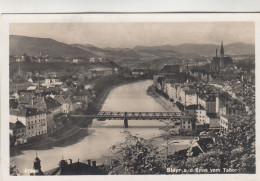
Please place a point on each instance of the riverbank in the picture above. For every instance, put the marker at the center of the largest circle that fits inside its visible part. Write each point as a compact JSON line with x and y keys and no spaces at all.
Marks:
{"x":67,"y":138}
{"x":170,"y":106}
{"x":102,"y":88}
{"x":74,"y":130}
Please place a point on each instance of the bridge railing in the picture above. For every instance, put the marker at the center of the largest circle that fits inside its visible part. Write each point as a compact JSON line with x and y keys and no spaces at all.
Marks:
{"x":137,"y":115}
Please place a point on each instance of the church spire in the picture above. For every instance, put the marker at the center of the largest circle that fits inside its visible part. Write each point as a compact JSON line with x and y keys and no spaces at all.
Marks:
{"x":221,"y":62}
{"x":222,"y":49}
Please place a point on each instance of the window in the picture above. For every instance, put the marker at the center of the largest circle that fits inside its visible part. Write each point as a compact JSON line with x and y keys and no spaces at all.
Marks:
{"x":188,"y":122}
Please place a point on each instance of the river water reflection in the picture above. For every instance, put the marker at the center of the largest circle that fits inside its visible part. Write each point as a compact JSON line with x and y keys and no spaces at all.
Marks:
{"x":104,"y":134}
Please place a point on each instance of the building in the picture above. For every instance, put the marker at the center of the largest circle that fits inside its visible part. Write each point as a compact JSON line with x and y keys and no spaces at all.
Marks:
{"x":68,"y":103}
{"x":169,"y":89}
{"x":18,"y":85}
{"x":196,"y":147}
{"x":18,"y":130}
{"x":234,"y":109}
{"x":37,"y":167}
{"x":222,"y":110}
{"x":80,"y":98}
{"x":198,"y":112}
{"x":188,"y":96}
{"x":137,"y":72}
{"x":220,"y":63}
{"x":75,"y":60}
{"x":187,"y":123}
{"x":65,"y":103}
{"x":170,"y":69}
{"x":223,"y":123}
{"x":52,"y":105}
{"x":92,"y":60}
{"x":212,"y":104}
{"x":157,"y":80}
{"x":34,"y":120}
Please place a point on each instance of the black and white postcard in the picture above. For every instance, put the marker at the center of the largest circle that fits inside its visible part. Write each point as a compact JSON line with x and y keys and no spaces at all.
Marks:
{"x":129,"y":94}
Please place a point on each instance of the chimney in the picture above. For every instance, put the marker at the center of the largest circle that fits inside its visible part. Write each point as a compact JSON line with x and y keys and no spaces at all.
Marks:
{"x":94,"y":163}
{"x":89,"y":162}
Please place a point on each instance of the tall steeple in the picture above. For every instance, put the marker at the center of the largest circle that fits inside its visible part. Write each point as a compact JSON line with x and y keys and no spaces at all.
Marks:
{"x":216,"y":52}
{"x":37,"y":165}
{"x":221,"y":62}
{"x":222,"y":50}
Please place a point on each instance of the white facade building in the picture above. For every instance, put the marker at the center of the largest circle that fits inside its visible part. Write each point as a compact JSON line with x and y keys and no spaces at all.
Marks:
{"x":198,"y":112}
{"x":34,"y":120}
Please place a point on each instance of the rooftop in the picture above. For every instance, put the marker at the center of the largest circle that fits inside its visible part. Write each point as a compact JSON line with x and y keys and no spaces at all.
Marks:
{"x":16,"y":125}
{"x":26,"y":112}
{"x":195,"y":107}
{"x":170,"y":69}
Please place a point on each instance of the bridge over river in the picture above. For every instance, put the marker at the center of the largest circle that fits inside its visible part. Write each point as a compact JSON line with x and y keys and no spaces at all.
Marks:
{"x":107,"y":115}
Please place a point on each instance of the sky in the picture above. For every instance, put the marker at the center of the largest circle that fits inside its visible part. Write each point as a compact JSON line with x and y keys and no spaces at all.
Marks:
{"x":131,"y":34}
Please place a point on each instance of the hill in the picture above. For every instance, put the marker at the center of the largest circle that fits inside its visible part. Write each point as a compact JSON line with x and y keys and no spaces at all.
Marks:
{"x":138,"y":54}
{"x":33,"y":46}
{"x":202,"y":49}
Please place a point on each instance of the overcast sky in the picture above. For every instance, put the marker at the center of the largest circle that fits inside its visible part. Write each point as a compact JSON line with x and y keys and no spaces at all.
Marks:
{"x":132,"y":34}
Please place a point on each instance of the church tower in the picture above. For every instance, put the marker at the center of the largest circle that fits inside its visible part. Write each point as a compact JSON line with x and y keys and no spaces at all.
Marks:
{"x":221,"y":56}
{"x":37,"y":165}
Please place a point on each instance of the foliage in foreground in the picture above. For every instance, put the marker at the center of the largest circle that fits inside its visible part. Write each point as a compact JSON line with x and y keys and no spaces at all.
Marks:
{"x":234,"y":149}
{"x":137,"y":156}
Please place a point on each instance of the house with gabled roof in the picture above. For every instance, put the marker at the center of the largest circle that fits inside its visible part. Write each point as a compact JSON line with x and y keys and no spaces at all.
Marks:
{"x":34,"y":120}
{"x":18,"y":130}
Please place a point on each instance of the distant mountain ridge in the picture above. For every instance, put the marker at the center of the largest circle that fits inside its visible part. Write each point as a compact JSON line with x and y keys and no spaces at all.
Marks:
{"x":203,"y":49}
{"x":31,"y":45}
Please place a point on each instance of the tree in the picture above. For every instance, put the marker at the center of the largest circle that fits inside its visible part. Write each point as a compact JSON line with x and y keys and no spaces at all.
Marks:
{"x":233,"y":149}
{"x":167,"y":133}
{"x":137,"y":156}
{"x":238,"y":145}
{"x":14,"y":171}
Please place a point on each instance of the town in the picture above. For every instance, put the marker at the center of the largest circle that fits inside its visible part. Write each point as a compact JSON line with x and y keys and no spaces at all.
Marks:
{"x":213,"y":96}
{"x":213,"y":99}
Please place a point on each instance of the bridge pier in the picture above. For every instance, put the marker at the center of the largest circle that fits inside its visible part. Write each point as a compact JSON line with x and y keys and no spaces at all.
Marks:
{"x":126,"y":121}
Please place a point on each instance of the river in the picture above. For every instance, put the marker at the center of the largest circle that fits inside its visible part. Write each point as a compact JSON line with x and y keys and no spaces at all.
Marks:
{"x":103,"y":134}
